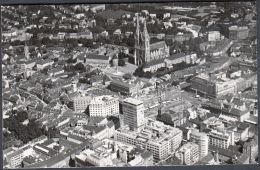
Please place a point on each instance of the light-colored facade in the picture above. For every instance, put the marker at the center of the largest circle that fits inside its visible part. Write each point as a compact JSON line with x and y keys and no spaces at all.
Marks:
{"x":221,"y":139}
{"x":188,"y":153}
{"x":15,"y":159}
{"x":103,"y":106}
{"x":80,"y":103}
{"x":202,"y":140}
{"x":214,"y":36}
{"x":133,"y":111}
{"x":162,"y":140}
{"x":236,"y":32}
{"x":214,"y":86}
{"x":179,"y":58}
{"x":43,"y":64}
{"x":145,"y":51}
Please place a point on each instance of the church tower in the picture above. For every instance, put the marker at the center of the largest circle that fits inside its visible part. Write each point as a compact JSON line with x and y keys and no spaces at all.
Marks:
{"x":137,"y":42}
{"x":26,"y":51}
{"x":146,"y":44}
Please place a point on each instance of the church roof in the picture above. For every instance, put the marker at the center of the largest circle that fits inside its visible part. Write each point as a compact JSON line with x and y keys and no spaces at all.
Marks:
{"x":157,"y":45}
{"x":154,"y":62}
{"x":176,"y":56}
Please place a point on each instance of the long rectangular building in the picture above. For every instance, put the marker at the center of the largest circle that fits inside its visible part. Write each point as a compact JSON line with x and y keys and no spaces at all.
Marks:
{"x":160,"y":139}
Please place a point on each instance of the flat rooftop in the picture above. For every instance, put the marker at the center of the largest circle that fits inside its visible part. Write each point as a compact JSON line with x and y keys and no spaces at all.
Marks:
{"x":133,"y":101}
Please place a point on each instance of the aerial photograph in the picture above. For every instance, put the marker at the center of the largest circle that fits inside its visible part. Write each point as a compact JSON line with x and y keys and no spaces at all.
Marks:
{"x":129,"y":84}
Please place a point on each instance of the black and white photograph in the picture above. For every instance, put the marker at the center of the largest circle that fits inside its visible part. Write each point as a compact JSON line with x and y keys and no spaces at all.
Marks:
{"x":129,"y":84}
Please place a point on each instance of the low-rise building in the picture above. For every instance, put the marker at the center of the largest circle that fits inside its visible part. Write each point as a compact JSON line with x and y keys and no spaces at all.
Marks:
{"x":214,"y":36}
{"x":179,"y":58}
{"x":44,"y":63}
{"x":214,"y":85}
{"x":124,"y":87}
{"x":238,"y":33}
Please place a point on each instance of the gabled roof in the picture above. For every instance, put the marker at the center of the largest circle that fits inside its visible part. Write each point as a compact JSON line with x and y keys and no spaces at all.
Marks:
{"x":154,"y":62}
{"x":96,"y":56}
{"x":157,"y":45}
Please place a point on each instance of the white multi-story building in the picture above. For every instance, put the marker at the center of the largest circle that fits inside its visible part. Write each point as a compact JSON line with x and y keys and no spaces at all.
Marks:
{"x":15,"y":158}
{"x":103,"y":106}
{"x":80,"y":103}
{"x":162,"y":140}
{"x":202,"y":140}
{"x":133,"y":111}
{"x":221,"y":139}
{"x":188,"y":153}
{"x":214,"y":36}
{"x":44,"y":63}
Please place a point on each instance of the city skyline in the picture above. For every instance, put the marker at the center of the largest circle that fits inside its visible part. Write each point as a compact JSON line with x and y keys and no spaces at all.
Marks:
{"x":129,"y":85}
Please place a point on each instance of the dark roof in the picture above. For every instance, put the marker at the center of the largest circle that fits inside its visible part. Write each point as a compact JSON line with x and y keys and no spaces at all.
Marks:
{"x":238,"y":102}
{"x":154,"y":62}
{"x":51,"y":152}
{"x":110,"y":124}
{"x":48,"y":142}
{"x":242,"y":159}
{"x":176,"y":56}
{"x":95,"y":120}
{"x":229,"y":152}
{"x":29,"y":160}
{"x":113,"y":14}
{"x":97,"y":57}
{"x":146,"y":154}
{"x":237,"y":112}
{"x":76,"y":137}
{"x":183,"y":129}
{"x":122,"y":83}
{"x":242,"y":126}
{"x":44,"y":61}
{"x":95,"y":129}
{"x":157,"y":45}
{"x":205,"y":159}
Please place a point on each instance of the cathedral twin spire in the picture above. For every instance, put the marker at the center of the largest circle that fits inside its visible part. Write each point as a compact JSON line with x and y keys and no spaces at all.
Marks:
{"x":142,"y":49}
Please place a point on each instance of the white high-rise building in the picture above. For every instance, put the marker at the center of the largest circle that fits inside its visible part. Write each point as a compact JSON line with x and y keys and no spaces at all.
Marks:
{"x":188,"y":153}
{"x":103,"y":106}
{"x":202,"y":140}
{"x":133,"y":111}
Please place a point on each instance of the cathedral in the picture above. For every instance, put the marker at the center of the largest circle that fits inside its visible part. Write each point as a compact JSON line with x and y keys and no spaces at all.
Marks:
{"x":145,"y":52}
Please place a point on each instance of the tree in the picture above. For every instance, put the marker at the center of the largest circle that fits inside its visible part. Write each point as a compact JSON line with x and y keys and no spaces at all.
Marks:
{"x":139,"y":72}
{"x":71,"y":60}
{"x":127,"y":76}
{"x":148,"y":74}
{"x":80,"y":67}
{"x":53,"y":132}
{"x":22,"y":116}
{"x":121,"y":62}
{"x":72,"y":162}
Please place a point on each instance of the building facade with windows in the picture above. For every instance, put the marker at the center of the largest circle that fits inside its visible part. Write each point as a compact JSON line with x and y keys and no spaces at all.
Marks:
{"x":202,"y":140}
{"x":133,"y":111}
{"x":188,"y":153}
{"x":162,"y":140}
{"x":103,"y":106}
{"x":81,"y":103}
